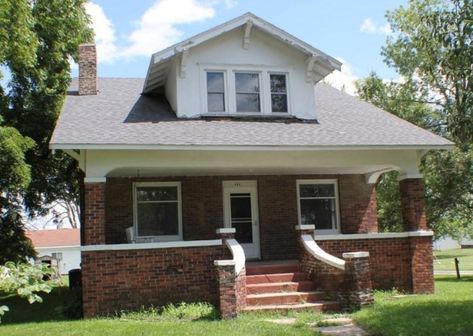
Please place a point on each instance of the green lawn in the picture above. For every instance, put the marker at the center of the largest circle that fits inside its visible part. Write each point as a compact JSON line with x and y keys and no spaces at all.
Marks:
{"x":444,"y":260}
{"x":448,"y":312}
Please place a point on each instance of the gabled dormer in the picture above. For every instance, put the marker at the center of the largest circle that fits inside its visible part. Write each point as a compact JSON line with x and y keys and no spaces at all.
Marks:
{"x":244,"y":67}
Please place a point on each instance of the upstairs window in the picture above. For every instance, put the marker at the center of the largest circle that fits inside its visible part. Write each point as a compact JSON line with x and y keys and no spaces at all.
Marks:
{"x":247,"y":90}
{"x":215,"y":92}
{"x":318,"y":204}
{"x":278,"y":93}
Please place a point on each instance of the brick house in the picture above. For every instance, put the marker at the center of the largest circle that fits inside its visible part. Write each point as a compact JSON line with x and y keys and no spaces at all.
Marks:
{"x":232,"y":174}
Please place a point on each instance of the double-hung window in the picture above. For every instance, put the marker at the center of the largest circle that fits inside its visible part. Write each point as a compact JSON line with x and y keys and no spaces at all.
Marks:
{"x":215,"y":91}
{"x":318,"y":204}
{"x":158,"y":210}
{"x":278,"y":93}
{"x":247,"y":91}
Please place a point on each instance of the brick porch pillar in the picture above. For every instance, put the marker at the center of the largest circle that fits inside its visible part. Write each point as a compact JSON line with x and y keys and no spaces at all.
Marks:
{"x":412,"y":204}
{"x":94,"y":213}
{"x":415,"y":219}
{"x":357,"y":282}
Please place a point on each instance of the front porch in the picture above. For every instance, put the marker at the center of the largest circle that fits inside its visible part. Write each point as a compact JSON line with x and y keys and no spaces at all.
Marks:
{"x":121,"y":274}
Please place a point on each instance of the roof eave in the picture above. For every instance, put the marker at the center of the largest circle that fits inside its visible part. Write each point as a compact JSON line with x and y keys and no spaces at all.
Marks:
{"x":64,"y":146}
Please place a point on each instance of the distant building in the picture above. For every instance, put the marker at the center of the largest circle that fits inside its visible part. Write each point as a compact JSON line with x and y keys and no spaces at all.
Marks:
{"x":61,"y":245}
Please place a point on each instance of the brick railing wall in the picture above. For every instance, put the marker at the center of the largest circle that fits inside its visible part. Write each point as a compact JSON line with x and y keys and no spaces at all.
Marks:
{"x":129,"y":279}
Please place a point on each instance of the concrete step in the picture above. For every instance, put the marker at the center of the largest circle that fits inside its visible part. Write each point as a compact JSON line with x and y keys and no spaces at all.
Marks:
{"x":276,"y":277}
{"x":279,"y":287}
{"x":257,"y":268}
{"x":322,"y":306}
{"x":283,"y":298}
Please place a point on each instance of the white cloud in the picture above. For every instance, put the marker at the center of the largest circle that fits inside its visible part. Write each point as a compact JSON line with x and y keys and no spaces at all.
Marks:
{"x":105,"y":37}
{"x":370,"y":27}
{"x":156,"y":29}
{"x":343,"y":80}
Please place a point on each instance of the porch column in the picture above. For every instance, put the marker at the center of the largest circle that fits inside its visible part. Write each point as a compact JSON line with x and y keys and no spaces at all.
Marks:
{"x":94,"y":211}
{"x":414,"y":218}
{"x":412,"y":204}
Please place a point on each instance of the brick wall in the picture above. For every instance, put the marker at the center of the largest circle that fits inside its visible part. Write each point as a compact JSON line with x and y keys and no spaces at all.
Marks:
{"x":94,"y":214}
{"x":403,"y":263}
{"x":202,"y":208}
{"x":87,"y":69}
{"x":412,"y":204}
{"x":130,"y":279}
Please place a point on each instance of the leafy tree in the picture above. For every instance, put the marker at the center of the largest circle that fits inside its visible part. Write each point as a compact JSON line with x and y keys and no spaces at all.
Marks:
{"x":431,"y":50}
{"x":37,"y":40}
{"x":26,"y":281}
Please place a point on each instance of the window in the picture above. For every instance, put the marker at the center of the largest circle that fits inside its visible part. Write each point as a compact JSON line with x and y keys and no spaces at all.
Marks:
{"x":158,"y":210}
{"x":318,"y":204}
{"x":57,"y":255}
{"x":247,"y":89}
{"x":278,"y":92}
{"x":215,"y":92}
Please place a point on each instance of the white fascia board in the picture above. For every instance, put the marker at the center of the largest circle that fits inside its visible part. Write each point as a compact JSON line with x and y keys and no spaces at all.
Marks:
{"x":385,"y":235}
{"x":145,"y":246}
{"x":56,"y":247}
{"x":64,"y":146}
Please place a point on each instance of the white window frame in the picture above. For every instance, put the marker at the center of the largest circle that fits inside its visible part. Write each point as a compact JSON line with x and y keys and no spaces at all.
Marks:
{"x":261,"y":90}
{"x":288,"y":96}
{"x":225,"y":93}
{"x":158,"y":238}
{"x":334,"y":182}
{"x":229,"y":71}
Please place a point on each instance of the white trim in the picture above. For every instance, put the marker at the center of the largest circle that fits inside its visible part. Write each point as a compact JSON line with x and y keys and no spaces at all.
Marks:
{"x":179,"y":209}
{"x":354,"y":255}
{"x":95,"y":179}
{"x":55,"y":247}
{"x":238,"y":254}
{"x":384,"y":235}
{"x":225,"y":230}
{"x":305,"y":227}
{"x":315,"y":250}
{"x":145,"y":246}
{"x":193,"y":147}
{"x":227,"y":262}
{"x":334,"y":182}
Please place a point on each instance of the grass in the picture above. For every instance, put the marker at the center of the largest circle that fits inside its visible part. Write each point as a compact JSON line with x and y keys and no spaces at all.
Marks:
{"x":447,"y":312}
{"x":444,"y":260}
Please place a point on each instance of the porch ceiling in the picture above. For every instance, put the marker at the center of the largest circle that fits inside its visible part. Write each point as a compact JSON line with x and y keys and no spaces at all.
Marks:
{"x":201,"y":171}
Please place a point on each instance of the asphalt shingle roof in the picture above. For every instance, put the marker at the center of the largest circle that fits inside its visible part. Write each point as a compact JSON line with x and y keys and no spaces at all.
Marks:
{"x":120,"y":115}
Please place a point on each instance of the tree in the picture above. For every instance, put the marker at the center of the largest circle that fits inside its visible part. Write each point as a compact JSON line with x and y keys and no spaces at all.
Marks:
{"x":37,"y":40}
{"x":431,"y":48}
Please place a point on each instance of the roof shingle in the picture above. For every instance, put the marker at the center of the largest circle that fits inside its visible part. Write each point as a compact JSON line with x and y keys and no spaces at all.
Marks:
{"x":119,"y":115}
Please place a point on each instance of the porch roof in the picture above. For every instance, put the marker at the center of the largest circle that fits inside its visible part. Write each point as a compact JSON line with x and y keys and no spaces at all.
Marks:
{"x":119,"y":117}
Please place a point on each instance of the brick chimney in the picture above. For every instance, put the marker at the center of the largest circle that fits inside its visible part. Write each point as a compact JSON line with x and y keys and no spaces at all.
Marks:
{"x":87,"y":69}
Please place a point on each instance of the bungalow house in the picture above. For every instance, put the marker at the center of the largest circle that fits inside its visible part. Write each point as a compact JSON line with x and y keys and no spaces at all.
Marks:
{"x":232,"y":174}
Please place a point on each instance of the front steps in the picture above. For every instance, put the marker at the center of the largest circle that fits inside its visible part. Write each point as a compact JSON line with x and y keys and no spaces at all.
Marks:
{"x":281,"y":286}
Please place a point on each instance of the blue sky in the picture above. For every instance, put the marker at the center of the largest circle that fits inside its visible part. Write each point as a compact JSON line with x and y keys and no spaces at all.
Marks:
{"x":129,"y":31}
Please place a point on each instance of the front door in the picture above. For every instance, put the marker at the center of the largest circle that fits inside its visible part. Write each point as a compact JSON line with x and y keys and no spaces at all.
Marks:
{"x":241,"y":212}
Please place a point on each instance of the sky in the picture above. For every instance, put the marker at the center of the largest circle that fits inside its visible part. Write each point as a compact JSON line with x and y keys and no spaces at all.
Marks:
{"x":128,"y":32}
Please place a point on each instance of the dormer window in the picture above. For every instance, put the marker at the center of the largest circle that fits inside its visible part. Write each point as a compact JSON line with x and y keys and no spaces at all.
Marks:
{"x":278,"y":92}
{"x":247,"y":89}
{"x":215,"y":91}
{"x":242,"y":90}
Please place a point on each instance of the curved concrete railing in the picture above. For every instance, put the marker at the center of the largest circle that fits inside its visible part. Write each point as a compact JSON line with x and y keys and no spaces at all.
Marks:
{"x":315,"y":250}
{"x":237,"y":253}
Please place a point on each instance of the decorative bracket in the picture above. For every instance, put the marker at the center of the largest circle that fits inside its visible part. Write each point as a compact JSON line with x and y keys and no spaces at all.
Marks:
{"x":246,"y":35}
{"x":184,"y":56}
{"x":310,"y":67}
